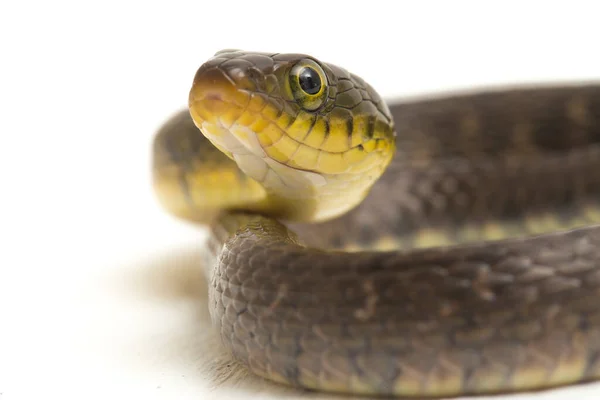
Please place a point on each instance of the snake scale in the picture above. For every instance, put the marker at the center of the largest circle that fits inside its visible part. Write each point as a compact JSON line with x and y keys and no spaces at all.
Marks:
{"x":472,"y":265}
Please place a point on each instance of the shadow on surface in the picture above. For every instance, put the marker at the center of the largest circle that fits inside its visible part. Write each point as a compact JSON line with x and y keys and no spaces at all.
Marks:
{"x":177,"y":279}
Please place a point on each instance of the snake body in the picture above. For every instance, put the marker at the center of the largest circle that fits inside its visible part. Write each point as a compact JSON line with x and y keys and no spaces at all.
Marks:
{"x":472,"y":266}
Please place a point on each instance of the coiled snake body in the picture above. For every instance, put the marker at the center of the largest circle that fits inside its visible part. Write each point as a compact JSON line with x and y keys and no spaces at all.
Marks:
{"x":472,"y":265}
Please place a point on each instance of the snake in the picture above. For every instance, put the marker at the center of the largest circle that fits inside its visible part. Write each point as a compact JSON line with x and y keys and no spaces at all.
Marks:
{"x":442,"y":245}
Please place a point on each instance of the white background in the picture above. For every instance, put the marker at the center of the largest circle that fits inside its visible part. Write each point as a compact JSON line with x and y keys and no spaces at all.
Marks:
{"x":100,"y":291}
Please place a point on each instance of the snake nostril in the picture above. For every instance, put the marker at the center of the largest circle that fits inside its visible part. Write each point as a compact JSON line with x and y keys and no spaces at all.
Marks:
{"x":254,"y":73}
{"x":257,"y":77}
{"x":214,"y":96}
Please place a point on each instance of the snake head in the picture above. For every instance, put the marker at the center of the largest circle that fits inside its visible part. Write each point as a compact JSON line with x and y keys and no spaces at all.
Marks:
{"x":314,"y":135}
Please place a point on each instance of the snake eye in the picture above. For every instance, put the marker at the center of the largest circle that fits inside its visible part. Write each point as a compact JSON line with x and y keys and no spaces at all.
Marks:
{"x":308,"y":83}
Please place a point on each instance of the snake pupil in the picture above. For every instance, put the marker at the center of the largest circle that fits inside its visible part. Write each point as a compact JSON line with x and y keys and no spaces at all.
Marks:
{"x":310,"y":81}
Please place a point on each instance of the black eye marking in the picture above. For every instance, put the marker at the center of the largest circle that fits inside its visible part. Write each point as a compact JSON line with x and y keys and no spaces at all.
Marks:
{"x":327,"y":128}
{"x":350,"y":126}
{"x":371,"y":126}
{"x":310,"y":81}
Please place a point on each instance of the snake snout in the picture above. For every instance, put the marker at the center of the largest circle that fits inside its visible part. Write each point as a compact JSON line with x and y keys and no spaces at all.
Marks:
{"x":211,"y":92}
{"x":223,"y":88}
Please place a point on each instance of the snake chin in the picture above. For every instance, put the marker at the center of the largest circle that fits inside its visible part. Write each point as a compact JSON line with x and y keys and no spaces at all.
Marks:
{"x":242,"y":143}
{"x":290,"y":187}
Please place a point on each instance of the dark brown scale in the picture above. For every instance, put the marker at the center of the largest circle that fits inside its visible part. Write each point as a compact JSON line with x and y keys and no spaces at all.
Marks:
{"x":349,"y":99}
{"x":344,"y":85}
{"x":259,"y":61}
